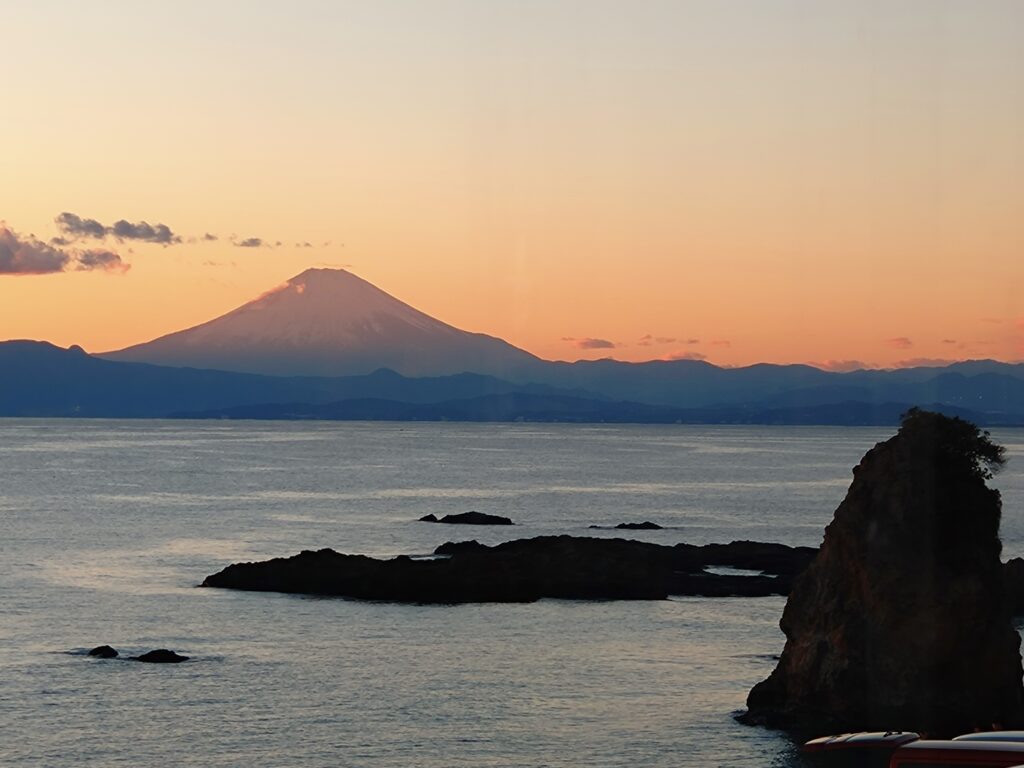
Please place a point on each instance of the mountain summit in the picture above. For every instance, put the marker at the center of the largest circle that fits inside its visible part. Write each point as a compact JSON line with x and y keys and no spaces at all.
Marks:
{"x":328,"y":322}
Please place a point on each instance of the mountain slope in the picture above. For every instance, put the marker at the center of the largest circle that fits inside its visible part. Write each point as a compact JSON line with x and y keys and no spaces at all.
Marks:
{"x":328,"y":322}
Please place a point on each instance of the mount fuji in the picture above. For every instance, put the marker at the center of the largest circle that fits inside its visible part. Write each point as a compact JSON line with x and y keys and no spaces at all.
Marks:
{"x":329,"y":322}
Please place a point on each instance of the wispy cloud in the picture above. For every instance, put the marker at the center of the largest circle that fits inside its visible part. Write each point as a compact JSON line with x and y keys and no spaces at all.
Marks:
{"x":842,"y":366}
{"x":249,"y":242}
{"x":685,"y":355}
{"x":924,"y":362}
{"x":594,"y":344}
{"x":899,"y":342}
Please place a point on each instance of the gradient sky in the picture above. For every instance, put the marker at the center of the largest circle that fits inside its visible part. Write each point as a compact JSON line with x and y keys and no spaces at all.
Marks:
{"x":781,"y":181}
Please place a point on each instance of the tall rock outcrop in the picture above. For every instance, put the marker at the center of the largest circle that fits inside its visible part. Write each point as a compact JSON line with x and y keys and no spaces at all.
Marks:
{"x":900,"y":622}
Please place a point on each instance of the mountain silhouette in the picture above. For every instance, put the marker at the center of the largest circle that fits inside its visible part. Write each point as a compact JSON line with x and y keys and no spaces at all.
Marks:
{"x":329,"y":322}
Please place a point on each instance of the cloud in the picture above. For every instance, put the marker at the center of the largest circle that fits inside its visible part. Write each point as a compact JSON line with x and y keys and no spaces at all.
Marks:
{"x":28,"y":256}
{"x":842,"y":366}
{"x":210,"y":238}
{"x":693,"y":341}
{"x":900,"y":342}
{"x":158,"y":233}
{"x":108,"y":261}
{"x":249,"y":242}
{"x":647,"y":340}
{"x":76,"y":227}
{"x":949,"y":341}
{"x":924,"y":362}
{"x":306,"y":244}
{"x":685,"y":355}
{"x":721,"y":343}
{"x":594,"y":344}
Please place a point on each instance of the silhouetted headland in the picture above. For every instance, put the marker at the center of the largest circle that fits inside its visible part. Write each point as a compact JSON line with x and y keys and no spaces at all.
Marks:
{"x":901,"y":622}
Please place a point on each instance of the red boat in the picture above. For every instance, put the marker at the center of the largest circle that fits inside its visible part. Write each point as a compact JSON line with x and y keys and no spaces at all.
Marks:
{"x":902,"y":749}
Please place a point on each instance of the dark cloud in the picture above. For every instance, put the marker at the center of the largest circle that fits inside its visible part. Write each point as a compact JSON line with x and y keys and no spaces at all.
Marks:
{"x":721,"y":343}
{"x":210,"y":238}
{"x":28,"y":256}
{"x":150,"y":233}
{"x":666,"y":340}
{"x":59,"y":241}
{"x":108,"y":261}
{"x":75,"y":226}
{"x":693,"y":341}
{"x":594,"y":344}
{"x":900,"y":342}
{"x":306,"y":244}
{"x":249,"y":242}
{"x":949,"y":341}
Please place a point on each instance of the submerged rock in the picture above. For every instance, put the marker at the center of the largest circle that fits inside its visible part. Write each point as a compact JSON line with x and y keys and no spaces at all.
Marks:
{"x":104,"y":652}
{"x":647,"y":525}
{"x":468,"y":518}
{"x":900,"y":623}
{"x":565,"y":567}
{"x":160,"y":656}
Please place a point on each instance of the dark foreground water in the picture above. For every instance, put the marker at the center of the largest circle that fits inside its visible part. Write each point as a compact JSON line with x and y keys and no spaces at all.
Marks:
{"x":108,"y":525}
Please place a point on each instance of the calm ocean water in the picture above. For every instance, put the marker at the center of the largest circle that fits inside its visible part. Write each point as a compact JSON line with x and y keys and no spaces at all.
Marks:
{"x":109,"y":525}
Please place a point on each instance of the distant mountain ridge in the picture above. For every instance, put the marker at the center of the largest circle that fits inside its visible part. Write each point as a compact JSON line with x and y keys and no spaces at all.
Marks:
{"x":39,"y":379}
{"x":329,"y":322}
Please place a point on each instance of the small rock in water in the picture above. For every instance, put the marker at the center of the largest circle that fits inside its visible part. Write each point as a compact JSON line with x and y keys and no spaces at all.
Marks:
{"x":161,"y":656}
{"x":104,"y":652}
{"x":475,"y":518}
{"x":647,"y":525}
{"x":428,"y":519}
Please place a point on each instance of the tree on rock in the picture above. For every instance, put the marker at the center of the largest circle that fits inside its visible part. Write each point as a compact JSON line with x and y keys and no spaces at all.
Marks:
{"x":900,"y":621}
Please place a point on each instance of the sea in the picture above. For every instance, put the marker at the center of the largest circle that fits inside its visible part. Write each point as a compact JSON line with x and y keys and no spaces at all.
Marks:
{"x":109,"y":526}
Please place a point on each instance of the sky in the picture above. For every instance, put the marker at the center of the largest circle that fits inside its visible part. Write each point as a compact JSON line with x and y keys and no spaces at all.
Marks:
{"x":835,"y":183}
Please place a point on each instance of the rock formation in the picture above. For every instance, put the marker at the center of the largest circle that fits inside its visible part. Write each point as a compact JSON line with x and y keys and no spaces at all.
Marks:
{"x":104,"y":652}
{"x":565,"y":567}
{"x":160,"y":656}
{"x":468,"y":518}
{"x":900,"y":623}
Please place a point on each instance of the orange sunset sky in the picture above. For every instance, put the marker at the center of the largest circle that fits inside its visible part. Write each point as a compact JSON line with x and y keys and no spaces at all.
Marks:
{"x":837,"y":183}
